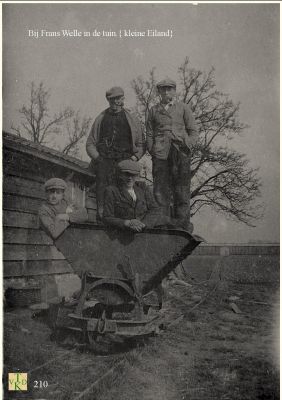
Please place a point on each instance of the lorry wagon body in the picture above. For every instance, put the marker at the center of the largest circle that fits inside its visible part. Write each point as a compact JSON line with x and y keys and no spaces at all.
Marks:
{"x":118,"y":269}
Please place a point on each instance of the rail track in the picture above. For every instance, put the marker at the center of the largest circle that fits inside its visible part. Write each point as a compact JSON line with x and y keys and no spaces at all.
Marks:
{"x":72,"y":371}
{"x":93,"y":369}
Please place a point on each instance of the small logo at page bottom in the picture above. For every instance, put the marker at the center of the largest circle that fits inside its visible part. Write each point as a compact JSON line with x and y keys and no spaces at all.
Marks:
{"x":17,"y":381}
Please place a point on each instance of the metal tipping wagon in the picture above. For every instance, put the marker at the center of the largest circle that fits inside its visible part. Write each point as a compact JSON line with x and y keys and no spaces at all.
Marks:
{"x":118,"y":268}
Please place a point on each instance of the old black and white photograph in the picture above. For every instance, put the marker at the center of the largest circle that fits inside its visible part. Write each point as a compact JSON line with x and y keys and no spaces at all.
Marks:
{"x":140,"y":200}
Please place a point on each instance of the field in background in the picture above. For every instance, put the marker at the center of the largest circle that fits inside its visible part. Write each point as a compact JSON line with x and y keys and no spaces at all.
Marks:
{"x":221,"y":343}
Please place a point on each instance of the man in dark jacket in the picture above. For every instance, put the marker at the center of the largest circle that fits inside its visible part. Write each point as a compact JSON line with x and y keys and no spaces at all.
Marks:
{"x":116,"y":135}
{"x":171,"y":132}
{"x":130,"y":204}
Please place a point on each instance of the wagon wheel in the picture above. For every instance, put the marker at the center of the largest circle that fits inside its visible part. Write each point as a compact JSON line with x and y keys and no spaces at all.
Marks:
{"x":107,"y":298}
{"x":110,"y":299}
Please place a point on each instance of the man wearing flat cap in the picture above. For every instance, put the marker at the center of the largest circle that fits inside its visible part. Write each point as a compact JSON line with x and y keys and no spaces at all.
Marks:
{"x":116,"y":135}
{"x":171,"y":132}
{"x":55,"y":214}
{"x":130,"y":204}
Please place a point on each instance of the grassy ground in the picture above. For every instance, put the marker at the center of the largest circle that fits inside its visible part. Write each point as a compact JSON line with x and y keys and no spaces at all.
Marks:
{"x":210,"y":352}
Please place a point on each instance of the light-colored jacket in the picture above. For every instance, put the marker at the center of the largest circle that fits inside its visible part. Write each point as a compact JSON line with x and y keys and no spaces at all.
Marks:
{"x":54,"y":226}
{"x":138,"y":141}
{"x":175,"y":125}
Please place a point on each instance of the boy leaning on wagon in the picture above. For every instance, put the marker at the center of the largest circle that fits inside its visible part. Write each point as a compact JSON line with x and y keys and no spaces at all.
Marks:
{"x":171,"y":132}
{"x":116,"y":135}
{"x":55,"y":214}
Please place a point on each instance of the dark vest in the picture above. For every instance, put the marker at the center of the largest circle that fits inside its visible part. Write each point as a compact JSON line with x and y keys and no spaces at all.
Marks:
{"x":115,"y":139}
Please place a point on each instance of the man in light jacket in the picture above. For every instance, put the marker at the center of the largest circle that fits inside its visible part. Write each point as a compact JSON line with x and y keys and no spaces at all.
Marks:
{"x":116,"y":135}
{"x":56,"y":213}
{"x":171,"y":132}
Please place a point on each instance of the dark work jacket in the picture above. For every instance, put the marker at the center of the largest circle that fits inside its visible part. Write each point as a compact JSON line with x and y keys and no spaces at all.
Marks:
{"x":137,"y":140}
{"x":119,"y":206}
{"x":115,"y":135}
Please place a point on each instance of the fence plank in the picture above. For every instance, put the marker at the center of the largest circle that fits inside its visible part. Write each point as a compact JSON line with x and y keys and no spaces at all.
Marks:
{"x":25,"y":236}
{"x":23,"y":187}
{"x":16,"y":202}
{"x":233,"y":249}
{"x":32,"y":267}
{"x":20,"y":219}
{"x":18,"y":252}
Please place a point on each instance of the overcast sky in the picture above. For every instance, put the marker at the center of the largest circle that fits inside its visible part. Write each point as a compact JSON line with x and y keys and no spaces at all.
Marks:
{"x":240,"y":40}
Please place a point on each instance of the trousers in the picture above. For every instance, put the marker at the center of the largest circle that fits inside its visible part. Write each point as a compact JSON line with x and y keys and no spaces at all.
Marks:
{"x":105,"y":169}
{"x":172,"y":181}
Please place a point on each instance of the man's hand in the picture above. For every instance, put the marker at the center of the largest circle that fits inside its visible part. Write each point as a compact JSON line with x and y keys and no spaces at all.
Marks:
{"x":134,"y":224}
{"x":70,"y":209}
{"x":97,"y":159}
{"x":63,"y":217}
{"x":133,"y":158}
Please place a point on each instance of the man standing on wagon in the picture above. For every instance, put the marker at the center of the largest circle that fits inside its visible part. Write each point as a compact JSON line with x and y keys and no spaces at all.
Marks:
{"x":171,"y":132}
{"x":116,"y":135}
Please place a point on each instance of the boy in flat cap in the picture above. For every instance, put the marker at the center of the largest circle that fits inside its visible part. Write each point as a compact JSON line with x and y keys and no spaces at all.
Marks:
{"x":116,"y":135}
{"x":131,"y":204}
{"x":55,"y":214}
{"x":171,"y":131}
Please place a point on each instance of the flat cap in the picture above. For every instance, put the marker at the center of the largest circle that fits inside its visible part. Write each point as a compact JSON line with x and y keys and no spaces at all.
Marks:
{"x":166,"y":83}
{"x":55,"y":183}
{"x":115,"y":91}
{"x":130,"y":166}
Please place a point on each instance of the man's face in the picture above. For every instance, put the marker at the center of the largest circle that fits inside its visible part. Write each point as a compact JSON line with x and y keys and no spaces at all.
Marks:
{"x":127,"y":179}
{"x":167,"y":93}
{"x":116,"y":103}
{"x":55,"y":196}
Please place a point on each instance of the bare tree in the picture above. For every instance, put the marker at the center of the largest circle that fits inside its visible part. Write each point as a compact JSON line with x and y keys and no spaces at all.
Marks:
{"x":146,"y":94}
{"x":38,"y":126}
{"x":221,"y":177}
{"x":77,"y":128}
